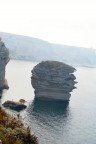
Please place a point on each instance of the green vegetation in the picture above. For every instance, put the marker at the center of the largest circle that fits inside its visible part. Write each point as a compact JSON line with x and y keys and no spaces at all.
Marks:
{"x":12,"y":130}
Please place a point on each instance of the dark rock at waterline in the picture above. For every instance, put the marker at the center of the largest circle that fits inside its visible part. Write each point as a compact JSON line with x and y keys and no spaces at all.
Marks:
{"x":53,"y":80}
{"x":14,"y":105}
{"x":5,"y":84}
{"x":0,"y":94}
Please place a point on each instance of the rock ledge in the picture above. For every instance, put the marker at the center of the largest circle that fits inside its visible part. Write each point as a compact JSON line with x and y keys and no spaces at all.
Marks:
{"x":17,"y":106}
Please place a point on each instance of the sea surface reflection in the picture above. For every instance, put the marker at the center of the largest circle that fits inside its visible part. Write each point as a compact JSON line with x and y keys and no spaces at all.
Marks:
{"x":47,"y":119}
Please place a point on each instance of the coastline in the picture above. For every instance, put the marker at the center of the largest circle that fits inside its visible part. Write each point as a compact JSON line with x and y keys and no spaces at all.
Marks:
{"x":13,"y":131}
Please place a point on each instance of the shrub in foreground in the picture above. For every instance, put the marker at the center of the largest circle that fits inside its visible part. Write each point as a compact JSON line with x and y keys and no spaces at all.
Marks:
{"x":12,"y":131}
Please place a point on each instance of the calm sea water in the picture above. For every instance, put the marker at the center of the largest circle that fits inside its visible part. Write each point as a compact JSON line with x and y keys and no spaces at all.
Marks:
{"x":56,"y":123}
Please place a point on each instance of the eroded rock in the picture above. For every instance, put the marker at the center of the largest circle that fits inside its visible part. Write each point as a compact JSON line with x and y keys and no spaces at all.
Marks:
{"x":22,"y":101}
{"x":53,"y":80}
{"x":4,"y":58}
{"x":17,"y":106}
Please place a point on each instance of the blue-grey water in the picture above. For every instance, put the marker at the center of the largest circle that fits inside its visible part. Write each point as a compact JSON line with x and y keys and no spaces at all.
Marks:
{"x":56,"y":123}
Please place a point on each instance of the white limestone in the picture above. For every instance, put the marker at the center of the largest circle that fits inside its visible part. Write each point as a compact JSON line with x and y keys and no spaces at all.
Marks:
{"x":53,"y":80}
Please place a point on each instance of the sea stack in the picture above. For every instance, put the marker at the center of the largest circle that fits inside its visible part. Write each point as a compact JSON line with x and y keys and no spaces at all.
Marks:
{"x":4,"y":58}
{"x":53,"y":80}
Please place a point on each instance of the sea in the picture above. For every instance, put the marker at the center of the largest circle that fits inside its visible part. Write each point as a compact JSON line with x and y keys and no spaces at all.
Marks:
{"x":55,"y":122}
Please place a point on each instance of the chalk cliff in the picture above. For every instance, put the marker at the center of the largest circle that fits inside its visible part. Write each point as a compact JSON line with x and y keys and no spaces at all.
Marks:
{"x":4,"y":58}
{"x":53,"y":80}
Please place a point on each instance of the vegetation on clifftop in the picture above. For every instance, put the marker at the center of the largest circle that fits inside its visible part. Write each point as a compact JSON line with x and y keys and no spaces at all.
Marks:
{"x":12,"y":131}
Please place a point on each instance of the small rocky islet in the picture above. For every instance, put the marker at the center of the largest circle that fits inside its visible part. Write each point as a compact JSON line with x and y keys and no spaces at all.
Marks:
{"x":17,"y":106}
{"x":53,"y":80}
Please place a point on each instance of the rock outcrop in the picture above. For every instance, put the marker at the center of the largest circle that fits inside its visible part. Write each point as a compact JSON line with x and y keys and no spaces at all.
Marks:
{"x":53,"y":80}
{"x":4,"y":58}
{"x":17,"y":106}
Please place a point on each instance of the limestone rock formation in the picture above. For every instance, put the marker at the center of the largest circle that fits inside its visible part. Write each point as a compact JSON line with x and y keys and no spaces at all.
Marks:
{"x":53,"y":80}
{"x":4,"y":58}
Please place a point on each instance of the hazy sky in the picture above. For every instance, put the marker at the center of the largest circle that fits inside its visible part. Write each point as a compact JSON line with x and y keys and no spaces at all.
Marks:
{"x":71,"y":22}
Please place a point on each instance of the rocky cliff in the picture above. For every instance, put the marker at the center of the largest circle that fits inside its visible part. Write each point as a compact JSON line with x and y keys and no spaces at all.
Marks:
{"x":53,"y":80}
{"x":4,"y":58}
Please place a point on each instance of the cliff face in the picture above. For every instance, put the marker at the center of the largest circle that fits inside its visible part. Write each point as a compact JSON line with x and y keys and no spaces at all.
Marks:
{"x":4,"y":58}
{"x":53,"y":80}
